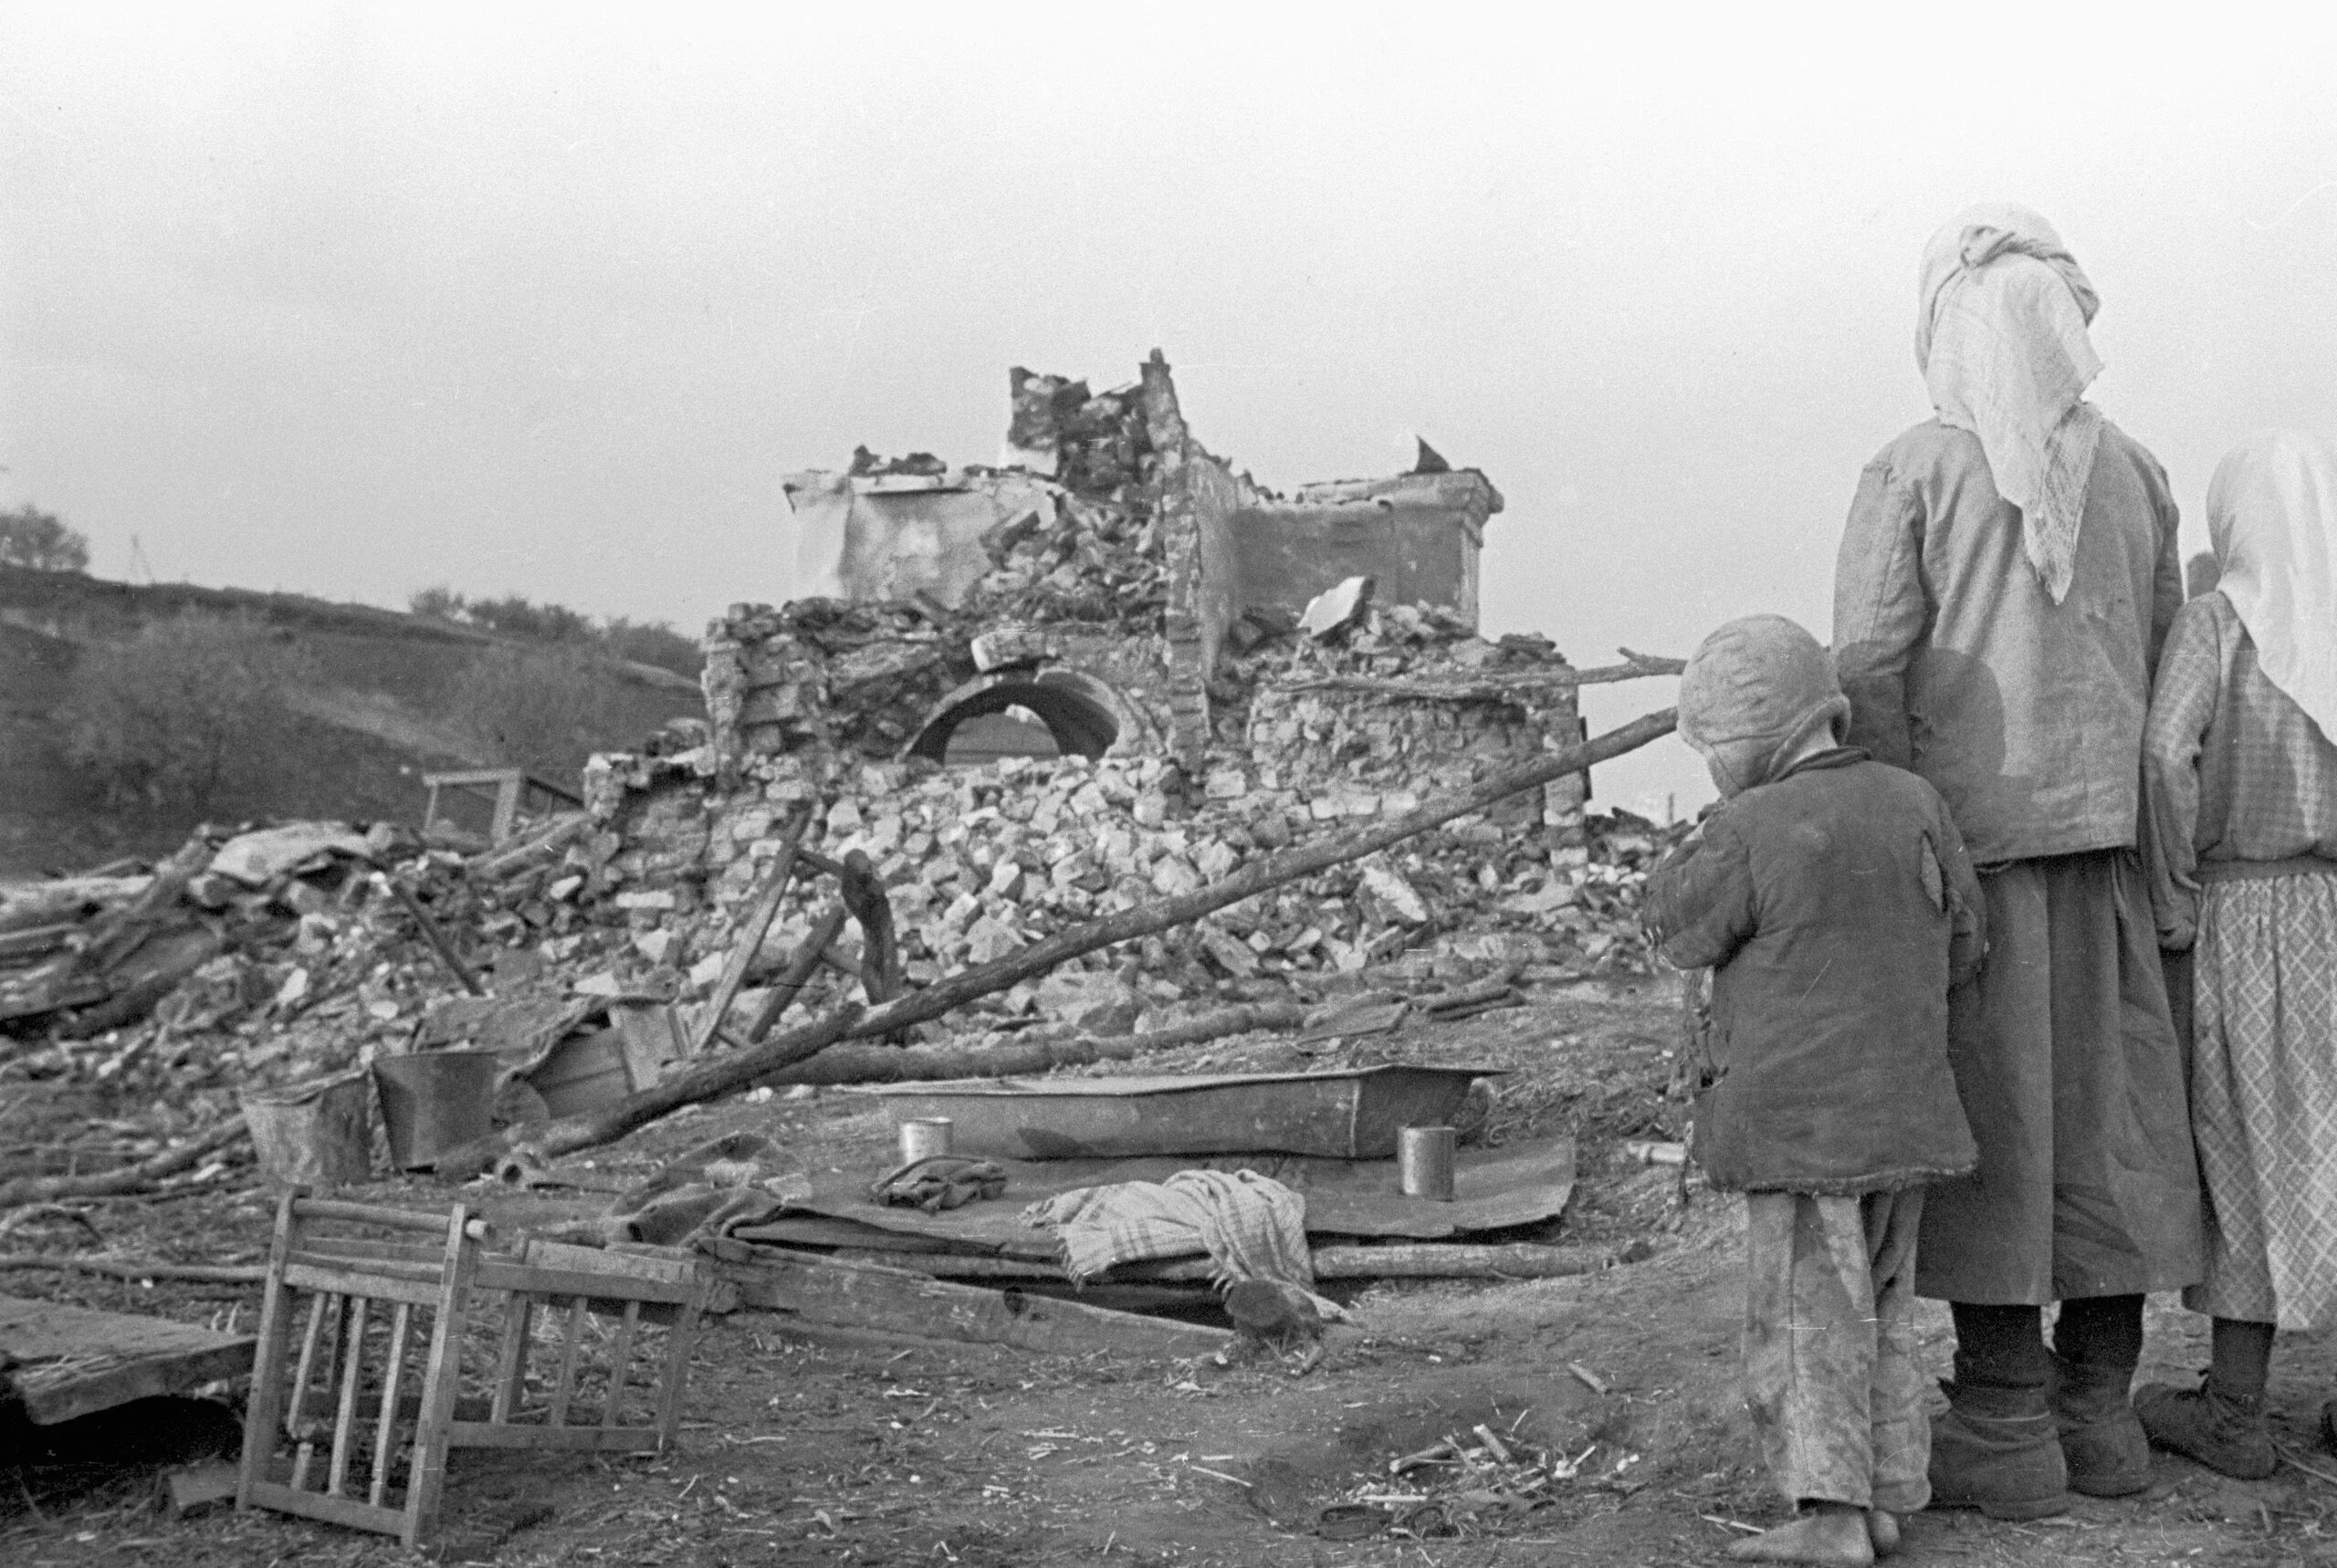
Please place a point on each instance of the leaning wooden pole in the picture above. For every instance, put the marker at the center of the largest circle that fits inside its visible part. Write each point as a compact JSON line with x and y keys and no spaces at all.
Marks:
{"x":712,"y":1076}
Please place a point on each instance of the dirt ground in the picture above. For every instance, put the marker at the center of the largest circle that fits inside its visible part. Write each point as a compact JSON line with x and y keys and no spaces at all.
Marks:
{"x":802,"y":1445}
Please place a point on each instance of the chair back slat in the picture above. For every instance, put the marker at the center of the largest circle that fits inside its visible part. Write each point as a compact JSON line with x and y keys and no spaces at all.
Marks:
{"x":344,"y":1422}
{"x":392,"y":1374}
{"x":620,"y":1365}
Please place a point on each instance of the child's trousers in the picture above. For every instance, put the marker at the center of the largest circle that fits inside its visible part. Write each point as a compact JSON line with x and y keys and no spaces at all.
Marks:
{"x":1829,"y":1343}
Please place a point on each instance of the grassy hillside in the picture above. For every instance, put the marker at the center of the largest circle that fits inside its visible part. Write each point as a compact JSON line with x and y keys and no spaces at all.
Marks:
{"x":373,"y":716}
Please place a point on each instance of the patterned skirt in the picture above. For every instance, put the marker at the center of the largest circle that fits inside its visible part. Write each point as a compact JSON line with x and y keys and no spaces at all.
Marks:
{"x":2264,"y":1098}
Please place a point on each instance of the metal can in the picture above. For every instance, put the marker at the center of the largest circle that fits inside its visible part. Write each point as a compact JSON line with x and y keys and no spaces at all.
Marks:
{"x":924,"y":1137}
{"x":1424,"y":1162}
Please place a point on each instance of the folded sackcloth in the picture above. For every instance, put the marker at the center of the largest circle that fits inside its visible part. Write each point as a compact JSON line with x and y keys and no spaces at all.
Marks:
{"x":1252,"y":1226}
{"x":939,"y":1182}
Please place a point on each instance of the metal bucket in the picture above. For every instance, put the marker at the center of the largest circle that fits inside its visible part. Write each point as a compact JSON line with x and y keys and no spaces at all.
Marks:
{"x":314,"y":1135}
{"x":434,"y":1100}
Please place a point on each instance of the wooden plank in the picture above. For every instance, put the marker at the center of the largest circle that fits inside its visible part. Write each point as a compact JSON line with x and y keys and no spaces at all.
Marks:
{"x":496,"y":1275}
{"x":266,"y":1405}
{"x":314,"y":1208}
{"x":426,"y":1481}
{"x":339,"y":1511}
{"x":871,"y":1296}
{"x":751,"y":937}
{"x":344,"y":1281}
{"x":357,"y":1269}
{"x":72,"y":1361}
{"x":84,"y":1392}
{"x":667,"y":1265}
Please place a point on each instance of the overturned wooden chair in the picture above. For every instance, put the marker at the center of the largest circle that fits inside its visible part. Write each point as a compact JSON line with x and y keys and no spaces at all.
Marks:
{"x":344,"y":1427}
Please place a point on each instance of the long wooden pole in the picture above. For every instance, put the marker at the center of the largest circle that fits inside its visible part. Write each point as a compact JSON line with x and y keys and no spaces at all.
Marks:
{"x":711,"y":1076}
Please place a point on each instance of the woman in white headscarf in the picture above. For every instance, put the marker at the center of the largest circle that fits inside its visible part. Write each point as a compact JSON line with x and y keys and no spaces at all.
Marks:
{"x":2005,"y":577}
{"x":2242,"y":779}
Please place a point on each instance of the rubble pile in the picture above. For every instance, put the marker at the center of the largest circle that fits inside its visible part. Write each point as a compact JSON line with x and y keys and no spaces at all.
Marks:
{"x":278,"y":954}
{"x":272,"y":954}
{"x":978,"y":861}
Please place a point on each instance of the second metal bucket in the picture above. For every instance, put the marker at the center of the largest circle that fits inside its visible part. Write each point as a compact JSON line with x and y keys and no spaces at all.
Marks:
{"x":434,"y":1100}
{"x":315,"y":1135}
{"x":1424,"y":1162}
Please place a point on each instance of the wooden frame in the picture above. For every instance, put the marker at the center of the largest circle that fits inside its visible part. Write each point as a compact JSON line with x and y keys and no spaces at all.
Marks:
{"x":361,"y":1293}
{"x":505,"y":787}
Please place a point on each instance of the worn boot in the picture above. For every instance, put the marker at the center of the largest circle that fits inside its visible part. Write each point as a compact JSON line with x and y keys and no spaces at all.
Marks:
{"x":2225,"y":1432}
{"x":1996,"y":1451}
{"x":2105,"y":1447}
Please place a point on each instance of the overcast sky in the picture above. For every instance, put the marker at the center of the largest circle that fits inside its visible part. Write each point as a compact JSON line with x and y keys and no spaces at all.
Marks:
{"x":350,"y":300}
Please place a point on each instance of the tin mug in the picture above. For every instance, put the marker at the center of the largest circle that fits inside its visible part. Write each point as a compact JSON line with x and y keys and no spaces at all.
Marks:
{"x":1424,"y":1162}
{"x":924,"y":1137}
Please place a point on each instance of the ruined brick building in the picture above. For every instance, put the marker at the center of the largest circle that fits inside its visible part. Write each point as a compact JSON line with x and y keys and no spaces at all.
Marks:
{"x":1122,"y":587}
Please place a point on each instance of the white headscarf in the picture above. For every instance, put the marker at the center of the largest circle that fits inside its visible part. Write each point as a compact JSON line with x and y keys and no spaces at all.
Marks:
{"x":2000,"y":338}
{"x":2272,"y":518}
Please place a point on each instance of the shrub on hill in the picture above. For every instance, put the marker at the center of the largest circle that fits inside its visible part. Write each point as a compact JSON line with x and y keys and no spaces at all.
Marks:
{"x":513,"y":615}
{"x":546,"y":710}
{"x":183,"y":712}
{"x":30,"y":537}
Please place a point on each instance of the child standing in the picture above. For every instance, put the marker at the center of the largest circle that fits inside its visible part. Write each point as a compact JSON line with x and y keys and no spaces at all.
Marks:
{"x":1832,"y":898}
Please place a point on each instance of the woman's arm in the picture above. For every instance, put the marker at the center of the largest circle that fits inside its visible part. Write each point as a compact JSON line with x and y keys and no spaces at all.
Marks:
{"x":2182,"y":707}
{"x":1881,"y":612}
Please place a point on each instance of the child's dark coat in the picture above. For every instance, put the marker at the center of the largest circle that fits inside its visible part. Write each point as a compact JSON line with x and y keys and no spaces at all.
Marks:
{"x":1837,"y":906}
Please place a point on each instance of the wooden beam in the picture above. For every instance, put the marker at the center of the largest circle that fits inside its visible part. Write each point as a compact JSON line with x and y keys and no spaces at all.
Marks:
{"x":899,"y":1301}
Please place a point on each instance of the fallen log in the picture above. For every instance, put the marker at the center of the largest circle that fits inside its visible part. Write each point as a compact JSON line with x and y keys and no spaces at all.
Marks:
{"x":127,"y":1179}
{"x":926,"y":1064}
{"x":710,"y":1077}
{"x":141,"y":1268}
